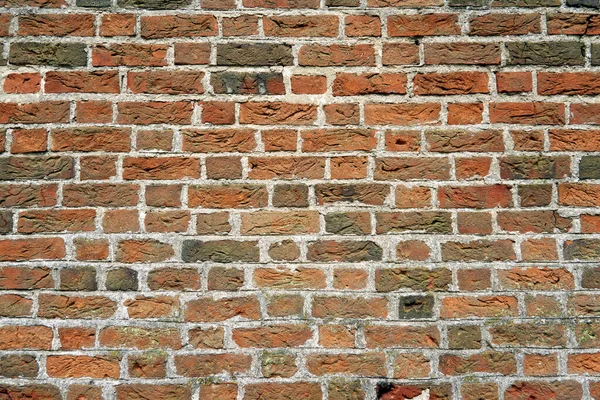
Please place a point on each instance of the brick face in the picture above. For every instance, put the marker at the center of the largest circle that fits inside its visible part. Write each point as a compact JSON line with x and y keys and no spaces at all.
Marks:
{"x":299,"y":199}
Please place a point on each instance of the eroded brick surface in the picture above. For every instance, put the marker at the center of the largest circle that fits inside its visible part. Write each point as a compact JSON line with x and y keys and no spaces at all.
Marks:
{"x":299,"y":199}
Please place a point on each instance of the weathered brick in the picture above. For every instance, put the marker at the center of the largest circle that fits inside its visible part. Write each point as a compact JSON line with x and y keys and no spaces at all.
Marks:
{"x":180,"y":25}
{"x":254,"y":54}
{"x":55,"y":54}
{"x":545,"y":53}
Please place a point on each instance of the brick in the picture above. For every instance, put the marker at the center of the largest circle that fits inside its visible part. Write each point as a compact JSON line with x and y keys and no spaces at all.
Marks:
{"x":362,"y":25}
{"x":54,"y":54}
{"x":400,"y":54}
{"x":409,"y":337}
{"x":172,"y":82}
{"x":465,"y":113}
{"x":528,"y":335}
{"x":129,"y":54}
{"x":55,"y":25}
{"x":286,"y":167}
{"x":223,"y":168}
{"x":504,"y":24}
{"x":346,"y":84}
{"x":350,"y":223}
{"x":482,"y":306}
{"x":56,"y":221}
{"x":285,"y":306}
{"x":228,"y":196}
{"x":218,"y":140}
{"x":210,"y":338}
{"x":426,"y":221}
{"x":86,"y":139}
{"x":71,"y":307}
{"x":514,"y":82}
{"x":273,"y":336}
{"x":437,"y":24}
{"x":392,"y":391}
{"x":247,"y":83}
{"x":254,"y":54}
{"x":462,"y":53}
{"x":328,"y":251}
{"x":283,"y":391}
{"x":401,"y":114}
{"x":572,"y":24}
{"x":527,"y":140}
{"x":15,"y":306}
{"x":287,"y":4}
{"x":301,"y":26}
{"x":450,"y":83}
{"x":154,"y":140}
{"x":147,"y":366}
{"x":22,"y":83}
{"x":478,"y":250}
{"x":117,"y":25}
{"x":278,"y":365}
{"x":23,"y":278}
{"x":32,"y":249}
{"x":545,"y":53}
{"x":173,"y":279}
{"x":416,"y":279}
{"x":336,"y":55}
{"x":366,"y":364}
{"x":224,"y":251}
{"x":207,"y":309}
{"x":490,"y":362}
{"x":412,"y":250}
{"x":346,"y":307}
{"x":244,"y":25}
{"x":135,"y":251}
{"x":192,"y":53}
{"x":88,"y":392}
{"x":449,"y":141}
{"x":326,"y":140}
{"x":525,"y":167}
{"x":535,"y":113}
{"x":285,"y":250}
{"x":277,"y":113}
{"x":154,"y":112}
{"x":29,"y":141}
{"x":280,"y":223}
{"x":152,"y":307}
{"x":93,"y":111}
{"x":556,"y":389}
{"x":309,"y":84}
{"x":180,"y":25}
{"x":121,"y":279}
{"x":280,"y":278}
{"x":408,"y":168}
{"x":34,"y":113}
{"x":569,"y":83}
{"x":573,"y":140}
{"x":349,"y":167}
{"x":153,"y":4}
{"x":342,"y":114}
{"x":139,"y":391}
{"x":139,"y":338}
{"x":350,"y":279}
{"x":243,"y":204}
{"x":540,"y":364}
{"x":371,"y":194}
{"x":464,"y":337}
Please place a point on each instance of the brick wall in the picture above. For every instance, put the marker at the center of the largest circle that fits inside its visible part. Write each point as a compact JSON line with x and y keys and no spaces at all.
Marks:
{"x":299,"y":199}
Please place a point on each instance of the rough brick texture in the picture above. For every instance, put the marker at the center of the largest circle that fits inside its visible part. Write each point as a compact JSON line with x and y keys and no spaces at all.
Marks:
{"x":299,"y":199}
